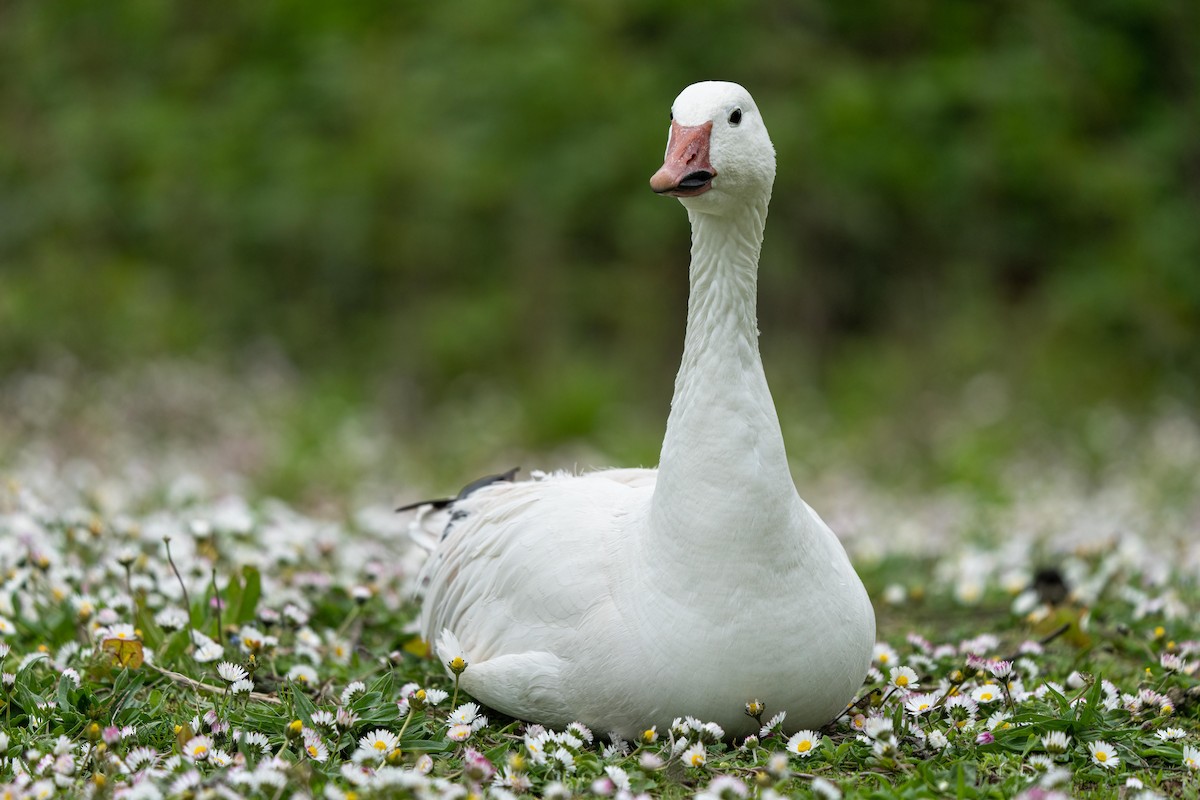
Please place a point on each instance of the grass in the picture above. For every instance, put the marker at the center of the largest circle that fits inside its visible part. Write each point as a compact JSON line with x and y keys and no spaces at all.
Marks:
{"x":128,"y":582}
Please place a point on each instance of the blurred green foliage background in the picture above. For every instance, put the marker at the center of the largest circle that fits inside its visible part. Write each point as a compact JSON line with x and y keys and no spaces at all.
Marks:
{"x":440,"y":209}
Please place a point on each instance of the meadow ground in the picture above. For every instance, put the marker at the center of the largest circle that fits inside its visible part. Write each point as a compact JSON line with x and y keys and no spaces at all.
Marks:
{"x":168,"y":629}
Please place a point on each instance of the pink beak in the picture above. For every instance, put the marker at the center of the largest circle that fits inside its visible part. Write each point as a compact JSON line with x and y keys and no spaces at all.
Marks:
{"x":686,"y":172}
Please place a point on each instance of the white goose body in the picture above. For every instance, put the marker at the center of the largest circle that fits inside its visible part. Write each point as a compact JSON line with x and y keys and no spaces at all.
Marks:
{"x":625,"y":598}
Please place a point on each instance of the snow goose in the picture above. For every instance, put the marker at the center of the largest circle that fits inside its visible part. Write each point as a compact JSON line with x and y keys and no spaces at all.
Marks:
{"x":624,"y":598}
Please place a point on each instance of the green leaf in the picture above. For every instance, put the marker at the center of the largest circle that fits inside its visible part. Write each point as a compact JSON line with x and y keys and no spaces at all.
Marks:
{"x":248,"y":604}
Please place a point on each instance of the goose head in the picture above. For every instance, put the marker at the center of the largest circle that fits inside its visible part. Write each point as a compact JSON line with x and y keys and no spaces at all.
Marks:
{"x":719,"y":156}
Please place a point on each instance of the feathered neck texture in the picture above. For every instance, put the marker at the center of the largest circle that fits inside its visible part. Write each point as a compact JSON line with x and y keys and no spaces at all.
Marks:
{"x":723,"y":477}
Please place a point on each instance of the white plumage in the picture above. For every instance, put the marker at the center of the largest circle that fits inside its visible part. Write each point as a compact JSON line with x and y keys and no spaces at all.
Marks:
{"x":625,"y":598}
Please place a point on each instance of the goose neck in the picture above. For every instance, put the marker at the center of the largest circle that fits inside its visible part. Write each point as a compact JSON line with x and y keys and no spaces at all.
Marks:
{"x":723,"y":466}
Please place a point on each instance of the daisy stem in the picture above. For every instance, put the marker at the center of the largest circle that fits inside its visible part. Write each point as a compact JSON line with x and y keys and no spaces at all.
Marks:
{"x":407,"y":719}
{"x":454,"y":700}
{"x":187,"y":604}
{"x":349,"y":619}
{"x":217,"y":608}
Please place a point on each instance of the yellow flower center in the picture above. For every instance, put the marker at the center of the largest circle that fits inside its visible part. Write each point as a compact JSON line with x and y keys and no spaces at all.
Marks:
{"x":380,"y":745}
{"x":199,"y":750}
{"x":1101,"y":756}
{"x":804,"y":746}
{"x":902,"y":680}
{"x":697,"y":759}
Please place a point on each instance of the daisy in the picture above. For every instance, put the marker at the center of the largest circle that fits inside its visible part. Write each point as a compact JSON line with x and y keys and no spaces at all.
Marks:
{"x":1000,"y":669}
{"x":241,"y":687}
{"x":773,"y":723}
{"x":582,"y":730}
{"x":877,"y":727}
{"x":376,"y":745}
{"x":884,"y":655}
{"x":352,"y":688}
{"x":564,"y":757}
{"x":1104,"y":754}
{"x":435,"y":696}
{"x":1191,"y":757}
{"x":231,"y":673}
{"x":918,"y":704}
{"x":726,"y":787}
{"x":1167,"y":734}
{"x":1039,"y":762}
{"x":198,"y":748}
{"x":1172,"y":662}
{"x":620,"y":777}
{"x":650,"y":735}
{"x":988,"y":693}
{"x":464,"y":714}
{"x":208,"y":652}
{"x":302,"y":673}
{"x":905,"y":678}
{"x":826,"y":790}
{"x":122,"y":630}
{"x":804,"y":743}
{"x":459,"y":733}
{"x":536,"y":745}
{"x":1056,"y":742}
{"x":314,"y":747}
{"x":695,"y":756}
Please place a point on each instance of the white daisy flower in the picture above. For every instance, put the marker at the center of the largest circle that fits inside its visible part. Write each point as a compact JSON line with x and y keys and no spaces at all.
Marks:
{"x":198,"y":748}
{"x":1104,"y":754}
{"x":302,"y":673}
{"x":243,"y":686}
{"x":171,"y":618}
{"x":1056,"y":742}
{"x":1040,"y":762}
{"x":1168,"y":734}
{"x":564,"y":757}
{"x":435,"y":696}
{"x":694,"y":756}
{"x":1191,"y":757}
{"x":877,"y":727}
{"x":884,"y":655}
{"x":904,"y":678}
{"x":459,"y":733}
{"x":937,"y":740}
{"x":536,"y":746}
{"x":209,"y":652}
{"x":987,"y":693}
{"x":582,"y":730}
{"x":826,"y":790}
{"x":919,"y":704}
{"x":231,"y":673}
{"x":464,"y":714}
{"x":451,"y":653}
{"x":774,"y":723}
{"x":376,"y":745}
{"x":804,"y":743}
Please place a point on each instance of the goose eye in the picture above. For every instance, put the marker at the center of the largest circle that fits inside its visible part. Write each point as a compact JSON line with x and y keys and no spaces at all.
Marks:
{"x":671,"y":115}
{"x":735,"y":117}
